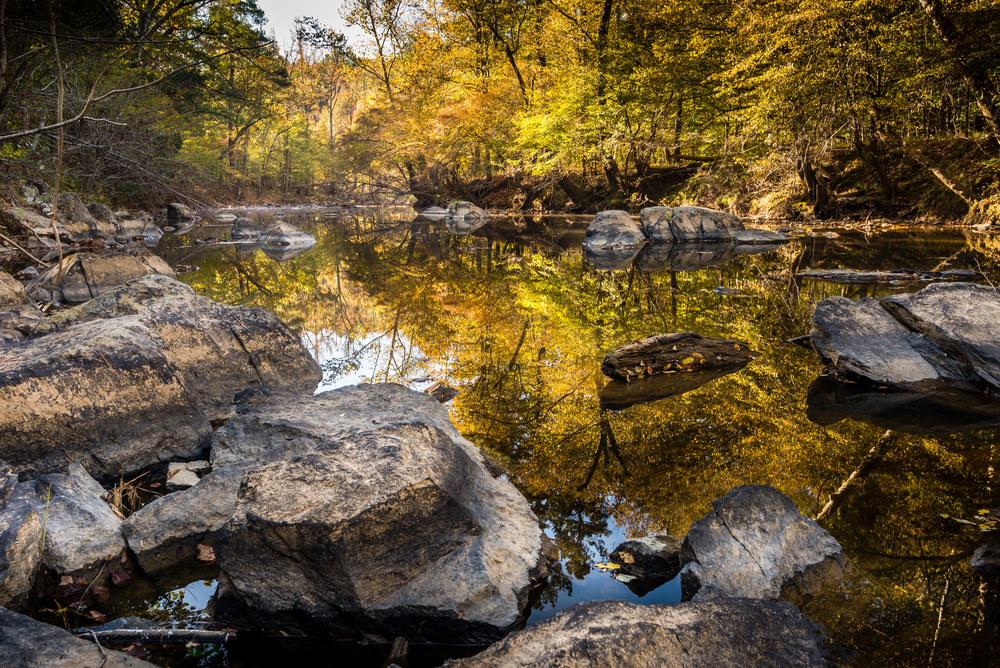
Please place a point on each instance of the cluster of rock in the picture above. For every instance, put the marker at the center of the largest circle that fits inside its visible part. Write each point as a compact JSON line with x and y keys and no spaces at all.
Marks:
{"x":680,"y":238}
{"x":76,"y":221}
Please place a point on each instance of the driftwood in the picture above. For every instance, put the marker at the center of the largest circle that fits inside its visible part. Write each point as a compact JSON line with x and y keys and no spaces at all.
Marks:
{"x":673,"y":353}
{"x":141,"y":636}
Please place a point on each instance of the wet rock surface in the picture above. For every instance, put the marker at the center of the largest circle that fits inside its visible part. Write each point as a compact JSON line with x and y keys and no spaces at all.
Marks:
{"x":753,"y":544}
{"x":618,"y":395}
{"x":613,"y":229}
{"x":688,"y":223}
{"x":682,"y":352}
{"x":177,"y":212}
{"x":246,"y":229}
{"x":27,"y":643}
{"x":388,"y":522}
{"x":464,"y":210}
{"x":944,"y":334}
{"x":729,"y":633}
{"x":86,"y":276}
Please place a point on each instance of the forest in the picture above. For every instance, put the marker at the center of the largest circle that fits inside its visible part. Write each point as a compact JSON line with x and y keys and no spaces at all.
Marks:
{"x":788,"y":108}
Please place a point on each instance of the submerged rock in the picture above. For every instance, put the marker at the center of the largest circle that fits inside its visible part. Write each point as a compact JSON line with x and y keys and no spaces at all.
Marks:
{"x":27,"y":643}
{"x":667,"y":353}
{"x":382,"y":519}
{"x":613,"y":229}
{"x":733,"y":633}
{"x":986,"y":559}
{"x":284,"y":234}
{"x":753,"y":544}
{"x":944,"y":334}
{"x":85,"y":275}
{"x":755,"y":236}
{"x":646,"y":557}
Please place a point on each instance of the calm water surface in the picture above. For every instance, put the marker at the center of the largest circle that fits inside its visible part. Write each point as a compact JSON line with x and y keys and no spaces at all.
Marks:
{"x":517,"y":319}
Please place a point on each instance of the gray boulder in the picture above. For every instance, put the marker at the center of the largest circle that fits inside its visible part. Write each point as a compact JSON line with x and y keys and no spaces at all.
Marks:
{"x":217,"y":349}
{"x":753,"y":544}
{"x":85,"y":275}
{"x":27,"y":643}
{"x":102,"y":213}
{"x":464,"y":210}
{"x":613,"y":229}
{"x":732,"y":633}
{"x":18,"y":313}
{"x":81,"y":529}
{"x":284,"y":234}
{"x":139,"y":229}
{"x":246,"y":229}
{"x":79,"y":220}
{"x":655,"y":223}
{"x":944,"y":334}
{"x":20,"y":542}
{"x":755,"y":236}
{"x":688,"y":223}
{"x":178,"y":211}
{"x":434,"y":213}
{"x":103,"y":391}
{"x":389,"y":522}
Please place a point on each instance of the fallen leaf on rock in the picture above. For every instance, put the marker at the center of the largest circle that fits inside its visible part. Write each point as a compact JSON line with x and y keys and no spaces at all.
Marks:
{"x":204,"y":553}
{"x":136,"y":651}
{"x":180,"y":552}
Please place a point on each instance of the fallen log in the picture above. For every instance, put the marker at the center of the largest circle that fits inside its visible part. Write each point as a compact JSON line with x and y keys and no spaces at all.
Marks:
{"x":143,"y":636}
{"x":673,"y":353}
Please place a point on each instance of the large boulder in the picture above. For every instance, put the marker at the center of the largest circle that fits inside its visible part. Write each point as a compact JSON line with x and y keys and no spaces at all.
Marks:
{"x":141,"y":230}
{"x":688,"y":223}
{"x":20,"y":541}
{"x":387,"y":522}
{"x":464,"y":210}
{"x":723,"y":634}
{"x":217,"y":349}
{"x":754,"y":543}
{"x":943,"y":335}
{"x":178,"y":212}
{"x":102,"y":392}
{"x":79,"y":220}
{"x":85,"y":275}
{"x":81,"y":529}
{"x":649,"y":556}
{"x":613,"y":229}
{"x":27,"y":643}
{"x":285,"y":234}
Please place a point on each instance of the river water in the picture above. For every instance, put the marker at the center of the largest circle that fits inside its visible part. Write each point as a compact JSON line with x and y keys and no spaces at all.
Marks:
{"x":517,"y":319}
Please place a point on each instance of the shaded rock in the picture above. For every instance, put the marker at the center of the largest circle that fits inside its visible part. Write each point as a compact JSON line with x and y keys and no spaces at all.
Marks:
{"x":613,"y":229}
{"x":694,"y":223}
{"x":36,"y":224}
{"x":217,"y":349}
{"x":755,"y":236}
{"x":618,"y":395}
{"x":178,"y":211}
{"x":181,"y":475}
{"x":854,"y":276}
{"x":680,"y":352}
{"x":85,"y":275}
{"x":103,"y":391}
{"x":80,"y":221}
{"x":944,"y":334}
{"x":442,"y":393}
{"x":167,"y":530}
{"x":81,"y":529}
{"x":246,"y":229}
{"x":735,"y":633}
{"x":927,"y":412}
{"x":655,"y":223}
{"x":653,"y":555}
{"x":391,"y":526}
{"x":610,"y":259}
{"x":752,"y":544}
{"x":20,"y":543}
{"x":27,"y":643}
{"x":284,"y":234}
{"x":464,"y":210}
{"x":17,"y":310}
{"x":102,"y":213}
{"x":756,"y":248}
{"x":139,"y":229}
{"x":986,"y":559}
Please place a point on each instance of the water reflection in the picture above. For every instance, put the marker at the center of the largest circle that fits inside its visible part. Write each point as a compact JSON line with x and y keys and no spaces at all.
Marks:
{"x":516,"y":318}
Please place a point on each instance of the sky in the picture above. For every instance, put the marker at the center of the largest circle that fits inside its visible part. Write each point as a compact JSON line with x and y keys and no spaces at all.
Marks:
{"x":281,"y":15}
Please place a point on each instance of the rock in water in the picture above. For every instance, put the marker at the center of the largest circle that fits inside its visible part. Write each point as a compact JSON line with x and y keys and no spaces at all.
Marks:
{"x":678,"y":352}
{"x":284,"y":234}
{"x":463,"y":210}
{"x":986,"y":559}
{"x":217,"y":349}
{"x":752,"y":544}
{"x":389,"y":522}
{"x":178,"y":211}
{"x":246,"y":229}
{"x":85,"y":275}
{"x":946,"y":333}
{"x":735,"y":633}
{"x":434,"y":213}
{"x":653,"y":555}
{"x":688,"y":223}
{"x":27,"y":643}
{"x":613,"y":229}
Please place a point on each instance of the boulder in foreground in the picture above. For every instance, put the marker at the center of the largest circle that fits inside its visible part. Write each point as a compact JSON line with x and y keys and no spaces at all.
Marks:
{"x":733,"y":633}
{"x":384,"y":520}
{"x":944,"y":335}
{"x":85,"y":275}
{"x":755,"y":543}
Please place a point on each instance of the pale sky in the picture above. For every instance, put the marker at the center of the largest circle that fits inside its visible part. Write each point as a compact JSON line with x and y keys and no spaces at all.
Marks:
{"x":281,"y":16}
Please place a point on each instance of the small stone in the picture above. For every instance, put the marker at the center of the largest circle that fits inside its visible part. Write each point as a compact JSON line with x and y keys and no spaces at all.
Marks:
{"x":986,"y":559}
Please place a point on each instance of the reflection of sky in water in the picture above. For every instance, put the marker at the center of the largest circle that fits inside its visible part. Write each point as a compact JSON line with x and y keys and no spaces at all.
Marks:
{"x":598,"y":586}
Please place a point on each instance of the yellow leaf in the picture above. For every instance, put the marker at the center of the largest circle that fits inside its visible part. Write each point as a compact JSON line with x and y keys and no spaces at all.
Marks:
{"x":737,"y":346}
{"x":687,"y":360}
{"x":612,"y":566}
